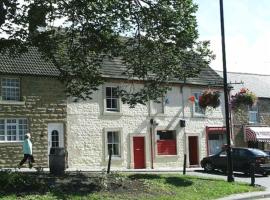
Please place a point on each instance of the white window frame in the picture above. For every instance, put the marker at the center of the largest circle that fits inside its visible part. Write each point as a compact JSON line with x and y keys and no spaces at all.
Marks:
{"x":251,"y":114}
{"x":11,"y":98}
{"x":17,"y":125}
{"x":156,"y":146}
{"x":196,"y":105}
{"x":162,"y":104}
{"x":106,"y":153}
{"x":118,"y":110}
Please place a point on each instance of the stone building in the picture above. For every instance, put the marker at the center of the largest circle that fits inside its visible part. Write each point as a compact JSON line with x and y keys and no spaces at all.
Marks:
{"x":156,"y":135}
{"x":31,"y":100}
{"x":251,"y":124}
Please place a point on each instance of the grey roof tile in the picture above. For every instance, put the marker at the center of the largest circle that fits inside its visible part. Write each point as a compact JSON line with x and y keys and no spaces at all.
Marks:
{"x":32,"y":63}
{"x":29,"y":63}
{"x":256,"y":83}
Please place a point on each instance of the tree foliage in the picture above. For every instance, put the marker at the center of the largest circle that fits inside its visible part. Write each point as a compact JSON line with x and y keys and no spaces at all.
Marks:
{"x":157,"y":40}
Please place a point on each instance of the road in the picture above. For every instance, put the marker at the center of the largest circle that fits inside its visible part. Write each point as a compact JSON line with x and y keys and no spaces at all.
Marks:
{"x":259,"y":180}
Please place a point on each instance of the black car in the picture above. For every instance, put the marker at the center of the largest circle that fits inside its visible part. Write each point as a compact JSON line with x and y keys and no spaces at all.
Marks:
{"x":242,"y":159}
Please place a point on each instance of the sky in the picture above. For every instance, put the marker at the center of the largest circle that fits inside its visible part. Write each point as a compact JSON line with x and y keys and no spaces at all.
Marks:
{"x":247,"y":33}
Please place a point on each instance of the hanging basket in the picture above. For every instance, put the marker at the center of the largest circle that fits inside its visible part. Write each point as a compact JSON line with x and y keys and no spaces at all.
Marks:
{"x":243,"y":97}
{"x":209,"y":98}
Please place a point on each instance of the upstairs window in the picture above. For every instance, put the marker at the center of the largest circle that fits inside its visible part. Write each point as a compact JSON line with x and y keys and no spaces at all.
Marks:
{"x":253,"y":115}
{"x":112,"y":99}
{"x":10,"y":89}
{"x":196,"y":108}
{"x":157,"y":107}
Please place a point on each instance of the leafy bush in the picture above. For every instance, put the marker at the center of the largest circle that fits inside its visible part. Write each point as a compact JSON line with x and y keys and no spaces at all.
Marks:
{"x":20,"y":182}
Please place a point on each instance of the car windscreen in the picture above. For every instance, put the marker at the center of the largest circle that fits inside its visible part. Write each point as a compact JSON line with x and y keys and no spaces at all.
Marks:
{"x":258,"y":152}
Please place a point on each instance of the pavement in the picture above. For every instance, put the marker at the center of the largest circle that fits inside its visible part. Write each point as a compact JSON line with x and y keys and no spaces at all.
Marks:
{"x":259,"y":180}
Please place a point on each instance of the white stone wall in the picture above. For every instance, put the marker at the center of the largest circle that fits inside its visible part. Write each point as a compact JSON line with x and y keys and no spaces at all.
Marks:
{"x":87,"y":122}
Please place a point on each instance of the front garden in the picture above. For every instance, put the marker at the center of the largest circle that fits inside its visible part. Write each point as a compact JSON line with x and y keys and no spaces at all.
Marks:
{"x":78,"y":185}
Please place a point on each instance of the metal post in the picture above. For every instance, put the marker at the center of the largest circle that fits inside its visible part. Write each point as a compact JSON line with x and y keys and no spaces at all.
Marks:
{"x":252,"y":174}
{"x":230,"y":177}
{"x":185,"y":164}
{"x":109,"y":163}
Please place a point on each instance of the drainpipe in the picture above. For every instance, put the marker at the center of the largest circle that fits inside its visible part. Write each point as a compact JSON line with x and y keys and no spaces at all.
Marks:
{"x":151,"y":142}
{"x":184,"y":128}
{"x":151,"y":134}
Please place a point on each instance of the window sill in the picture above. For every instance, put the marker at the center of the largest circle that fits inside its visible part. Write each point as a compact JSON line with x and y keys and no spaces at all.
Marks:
{"x":10,"y":142}
{"x":111,"y":113}
{"x":158,"y":115}
{"x":120,"y":159}
{"x":12,"y":102}
{"x":197,"y":115}
{"x":167,"y":156}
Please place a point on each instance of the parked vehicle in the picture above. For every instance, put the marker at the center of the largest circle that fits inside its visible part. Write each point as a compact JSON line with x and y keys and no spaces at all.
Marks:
{"x":242,"y":159}
{"x":267,"y":152}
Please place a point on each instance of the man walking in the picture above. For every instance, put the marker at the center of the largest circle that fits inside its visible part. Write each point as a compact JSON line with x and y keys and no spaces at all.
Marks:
{"x":27,"y":151}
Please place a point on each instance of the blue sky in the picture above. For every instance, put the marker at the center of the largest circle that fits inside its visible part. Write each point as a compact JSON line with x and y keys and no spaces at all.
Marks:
{"x":247,"y":32}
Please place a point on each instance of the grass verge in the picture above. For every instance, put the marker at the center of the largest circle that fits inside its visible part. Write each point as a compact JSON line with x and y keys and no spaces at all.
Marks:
{"x":80,"y":186}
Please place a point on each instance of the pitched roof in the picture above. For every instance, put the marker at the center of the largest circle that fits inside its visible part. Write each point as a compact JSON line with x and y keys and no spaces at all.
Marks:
{"x":29,"y":63}
{"x":256,"y":83}
{"x":115,"y":69}
{"x":32,"y":63}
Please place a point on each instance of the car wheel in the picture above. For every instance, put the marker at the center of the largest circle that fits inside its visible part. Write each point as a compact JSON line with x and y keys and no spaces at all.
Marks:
{"x":224,"y":171}
{"x":265,"y":174}
{"x":208,"y":167}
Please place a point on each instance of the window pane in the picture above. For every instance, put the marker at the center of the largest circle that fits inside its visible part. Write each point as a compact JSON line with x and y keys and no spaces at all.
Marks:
{"x":115,"y":138}
{"x":2,"y":130}
{"x":110,"y":137}
{"x":112,"y":101}
{"x":114,"y":92}
{"x":23,"y":128}
{"x":114,"y":104}
{"x":10,"y":89}
{"x":113,"y":143}
{"x":108,"y":91}
{"x":109,"y":103}
{"x":116,"y":150}
{"x":55,"y":138}
{"x":166,"y":135}
{"x":109,"y":148}
{"x":197,"y":108}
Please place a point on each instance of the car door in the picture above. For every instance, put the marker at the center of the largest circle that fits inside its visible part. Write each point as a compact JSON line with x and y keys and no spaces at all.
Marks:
{"x":241,"y":160}
{"x":220,"y":160}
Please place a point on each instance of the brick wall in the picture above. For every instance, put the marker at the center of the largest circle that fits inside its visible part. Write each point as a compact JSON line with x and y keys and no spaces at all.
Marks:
{"x":240,"y":119}
{"x":43,"y":101}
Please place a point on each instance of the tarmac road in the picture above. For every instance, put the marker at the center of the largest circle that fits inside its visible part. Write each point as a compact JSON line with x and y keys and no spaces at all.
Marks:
{"x":259,"y":180}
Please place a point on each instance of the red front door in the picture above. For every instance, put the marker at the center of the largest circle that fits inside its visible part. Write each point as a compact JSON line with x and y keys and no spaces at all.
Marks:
{"x":139,"y":155}
{"x":193,"y":150}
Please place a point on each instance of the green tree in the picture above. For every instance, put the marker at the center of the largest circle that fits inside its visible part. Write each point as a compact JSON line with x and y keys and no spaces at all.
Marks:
{"x":157,"y":40}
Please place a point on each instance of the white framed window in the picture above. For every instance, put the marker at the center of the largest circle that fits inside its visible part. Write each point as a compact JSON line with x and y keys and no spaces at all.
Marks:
{"x":166,"y":142}
{"x":113,"y":142}
{"x":253,"y":114}
{"x":197,"y":110}
{"x":158,"y":107}
{"x":253,"y":117}
{"x":111,"y":99}
{"x":13,"y":129}
{"x":10,"y":89}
